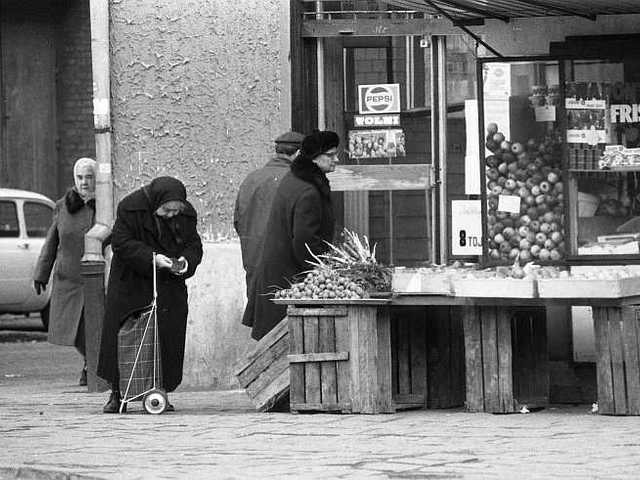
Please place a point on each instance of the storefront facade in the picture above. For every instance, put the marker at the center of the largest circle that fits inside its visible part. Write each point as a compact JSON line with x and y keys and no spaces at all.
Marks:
{"x":399,"y":81}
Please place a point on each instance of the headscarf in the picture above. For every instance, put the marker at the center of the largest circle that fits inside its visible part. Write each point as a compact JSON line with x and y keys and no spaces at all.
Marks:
{"x":165,"y":189}
{"x":79,"y":165}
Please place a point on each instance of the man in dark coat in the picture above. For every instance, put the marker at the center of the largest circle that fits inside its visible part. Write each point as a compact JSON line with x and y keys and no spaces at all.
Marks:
{"x":301,"y":215}
{"x":255,"y":197}
{"x":155,"y":218}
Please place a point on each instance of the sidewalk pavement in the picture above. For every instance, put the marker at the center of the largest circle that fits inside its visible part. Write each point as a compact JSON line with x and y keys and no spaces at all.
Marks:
{"x":54,"y":430}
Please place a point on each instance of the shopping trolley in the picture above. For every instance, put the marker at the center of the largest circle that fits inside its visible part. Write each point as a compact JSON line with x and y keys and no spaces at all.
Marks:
{"x":139,"y":360}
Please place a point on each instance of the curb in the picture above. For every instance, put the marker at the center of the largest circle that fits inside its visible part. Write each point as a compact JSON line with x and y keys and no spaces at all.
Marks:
{"x":27,"y":473}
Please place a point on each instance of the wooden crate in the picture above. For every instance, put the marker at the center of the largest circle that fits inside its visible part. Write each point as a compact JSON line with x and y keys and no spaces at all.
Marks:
{"x":588,"y":288}
{"x":427,"y":352}
{"x":492,"y":362}
{"x":617,"y":332}
{"x":340,"y":359}
{"x":494,"y":287}
{"x":265,"y":372}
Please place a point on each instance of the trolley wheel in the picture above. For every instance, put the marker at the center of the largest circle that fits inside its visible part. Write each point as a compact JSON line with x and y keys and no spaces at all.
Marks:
{"x":155,"y":402}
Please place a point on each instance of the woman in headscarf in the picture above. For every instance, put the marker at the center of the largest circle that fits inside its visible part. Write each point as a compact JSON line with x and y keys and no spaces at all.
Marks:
{"x":64,"y":246}
{"x":301,"y":215}
{"x":155,"y":218}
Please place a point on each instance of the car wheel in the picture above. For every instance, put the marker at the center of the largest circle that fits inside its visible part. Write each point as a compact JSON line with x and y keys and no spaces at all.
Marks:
{"x":44,"y":316}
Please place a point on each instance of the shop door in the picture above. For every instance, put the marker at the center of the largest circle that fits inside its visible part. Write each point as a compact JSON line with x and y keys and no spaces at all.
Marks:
{"x":27,"y":93}
{"x":384,"y":178}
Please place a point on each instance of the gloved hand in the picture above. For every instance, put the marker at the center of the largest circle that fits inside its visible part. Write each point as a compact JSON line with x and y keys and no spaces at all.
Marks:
{"x":39,"y":287}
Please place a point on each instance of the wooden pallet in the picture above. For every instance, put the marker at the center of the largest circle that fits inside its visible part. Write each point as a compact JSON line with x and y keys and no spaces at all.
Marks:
{"x":265,"y":373}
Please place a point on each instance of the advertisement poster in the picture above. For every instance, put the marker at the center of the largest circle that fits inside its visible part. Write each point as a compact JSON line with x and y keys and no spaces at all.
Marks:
{"x":497,"y":81}
{"x":365,"y":144}
{"x":586,"y":121}
{"x":379,"y":98}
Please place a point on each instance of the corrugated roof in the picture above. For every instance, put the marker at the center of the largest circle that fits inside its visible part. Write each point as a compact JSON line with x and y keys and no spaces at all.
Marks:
{"x":469,"y":10}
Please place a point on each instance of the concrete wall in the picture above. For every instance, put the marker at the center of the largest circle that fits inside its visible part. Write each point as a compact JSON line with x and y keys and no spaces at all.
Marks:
{"x":532,"y":36}
{"x":200,"y":88}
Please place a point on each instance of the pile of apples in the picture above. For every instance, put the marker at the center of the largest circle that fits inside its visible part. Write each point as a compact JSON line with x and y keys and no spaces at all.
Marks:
{"x":530,"y":171}
{"x":323,"y":284}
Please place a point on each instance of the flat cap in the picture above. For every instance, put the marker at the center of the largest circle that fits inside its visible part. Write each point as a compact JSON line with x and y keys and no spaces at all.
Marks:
{"x":290,"y":137}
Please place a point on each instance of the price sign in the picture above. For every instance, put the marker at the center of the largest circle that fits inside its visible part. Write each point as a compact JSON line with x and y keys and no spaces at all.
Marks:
{"x":466,"y":227}
{"x":509,"y":203}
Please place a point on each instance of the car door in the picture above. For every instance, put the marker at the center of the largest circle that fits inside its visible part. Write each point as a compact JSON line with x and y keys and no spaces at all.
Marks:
{"x":15,"y":261}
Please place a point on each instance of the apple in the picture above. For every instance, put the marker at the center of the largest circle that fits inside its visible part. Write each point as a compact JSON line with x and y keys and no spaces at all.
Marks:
{"x":530,"y":200}
{"x":532,"y":212}
{"x":505,"y":247}
{"x":498,"y":238}
{"x":505,"y":145}
{"x":492,"y":173}
{"x":558,"y":187}
{"x":498,"y":137}
{"x":555,"y":255}
{"x":514,"y":253}
{"x":544,"y":255}
{"x":555,"y":227}
{"x":523,"y":192}
{"x":508,"y":232}
{"x":544,"y":186}
{"x":556,"y":237}
{"x":523,"y":230}
{"x":525,"y":244}
{"x":549,"y":244}
{"x":545,"y":227}
{"x":549,"y":217}
{"x":535,"y":250}
{"x":502,"y":181}
{"x":535,"y":226}
{"x":515,"y":240}
{"x":502,"y":168}
{"x":492,"y":128}
{"x":494,"y":253}
{"x":532,"y":144}
{"x":512,"y":167}
{"x":492,"y":145}
{"x":540,"y":200}
{"x":517,"y":148}
{"x":531,"y":236}
{"x":508,"y":157}
{"x":525,"y":220}
{"x":541,"y":238}
{"x":525,"y":256}
{"x":553,"y":177}
{"x":497,"y":190}
{"x":535,"y":190}
{"x":507,"y":222}
{"x":510,"y":184}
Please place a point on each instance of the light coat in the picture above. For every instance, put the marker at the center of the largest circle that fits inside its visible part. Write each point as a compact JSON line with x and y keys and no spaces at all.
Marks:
{"x":62,"y":252}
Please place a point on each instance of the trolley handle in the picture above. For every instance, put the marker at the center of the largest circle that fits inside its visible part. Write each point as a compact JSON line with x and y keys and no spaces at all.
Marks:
{"x":155,"y":288}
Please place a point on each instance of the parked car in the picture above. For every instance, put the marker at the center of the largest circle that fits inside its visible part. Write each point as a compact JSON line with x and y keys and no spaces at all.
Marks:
{"x":25,"y":218}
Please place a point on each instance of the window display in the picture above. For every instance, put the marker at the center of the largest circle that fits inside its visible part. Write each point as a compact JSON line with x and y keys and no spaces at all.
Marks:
{"x":523,"y":185}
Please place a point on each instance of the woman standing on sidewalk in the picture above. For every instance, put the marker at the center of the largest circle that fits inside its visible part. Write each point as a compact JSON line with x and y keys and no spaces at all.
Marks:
{"x":155,"y":218}
{"x":73,"y":217}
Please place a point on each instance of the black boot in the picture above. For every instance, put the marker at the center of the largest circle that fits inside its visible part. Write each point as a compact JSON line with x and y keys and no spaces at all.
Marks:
{"x":113,"y":405}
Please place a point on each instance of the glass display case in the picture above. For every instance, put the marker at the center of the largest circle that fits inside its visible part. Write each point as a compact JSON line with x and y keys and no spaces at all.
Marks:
{"x":560,"y":154}
{"x":522,"y":145}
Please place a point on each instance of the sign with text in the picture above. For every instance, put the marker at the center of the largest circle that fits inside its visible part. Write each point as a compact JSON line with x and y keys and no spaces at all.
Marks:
{"x":376,"y":120}
{"x":380,"y":98}
{"x":466,"y":227}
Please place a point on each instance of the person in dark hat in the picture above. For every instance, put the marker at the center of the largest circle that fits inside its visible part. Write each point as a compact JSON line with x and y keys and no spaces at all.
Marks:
{"x":301,"y":216}
{"x":253,"y":202}
{"x":156,"y":218}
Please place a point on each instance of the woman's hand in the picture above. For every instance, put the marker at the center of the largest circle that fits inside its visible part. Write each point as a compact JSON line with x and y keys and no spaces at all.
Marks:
{"x":162,"y":261}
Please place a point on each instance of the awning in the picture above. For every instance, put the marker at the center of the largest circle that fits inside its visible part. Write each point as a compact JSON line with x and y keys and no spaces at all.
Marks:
{"x":468,"y":11}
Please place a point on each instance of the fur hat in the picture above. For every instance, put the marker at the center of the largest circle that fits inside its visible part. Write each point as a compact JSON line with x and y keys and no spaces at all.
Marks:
{"x":318,"y":142}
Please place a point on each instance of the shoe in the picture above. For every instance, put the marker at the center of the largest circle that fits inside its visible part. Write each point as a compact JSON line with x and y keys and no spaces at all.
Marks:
{"x":170,"y":408}
{"x":83,"y":378}
{"x":113,"y":405}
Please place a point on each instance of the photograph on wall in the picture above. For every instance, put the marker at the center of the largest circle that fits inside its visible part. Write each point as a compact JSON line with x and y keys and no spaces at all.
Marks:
{"x":376,"y":143}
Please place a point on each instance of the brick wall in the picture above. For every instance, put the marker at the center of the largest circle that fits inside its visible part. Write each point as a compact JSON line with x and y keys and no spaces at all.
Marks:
{"x":74,"y":88}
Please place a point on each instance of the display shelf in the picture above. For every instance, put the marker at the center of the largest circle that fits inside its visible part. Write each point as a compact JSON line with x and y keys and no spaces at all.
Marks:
{"x":605,"y":170}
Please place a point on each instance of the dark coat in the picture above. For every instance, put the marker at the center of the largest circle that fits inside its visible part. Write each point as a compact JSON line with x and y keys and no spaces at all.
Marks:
{"x":301,"y":214}
{"x":64,"y":246}
{"x":134,"y":239}
{"x":252,"y":208}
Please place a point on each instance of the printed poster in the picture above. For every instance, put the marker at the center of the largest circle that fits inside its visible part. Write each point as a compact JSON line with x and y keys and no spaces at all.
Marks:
{"x":364,"y":144}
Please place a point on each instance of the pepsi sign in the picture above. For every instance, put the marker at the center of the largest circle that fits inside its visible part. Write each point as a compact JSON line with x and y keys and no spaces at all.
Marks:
{"x":380,"y":98}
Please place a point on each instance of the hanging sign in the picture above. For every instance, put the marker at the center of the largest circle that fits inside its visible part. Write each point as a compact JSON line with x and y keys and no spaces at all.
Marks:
{"x":466,"y":227}
{"x":379,"y":98}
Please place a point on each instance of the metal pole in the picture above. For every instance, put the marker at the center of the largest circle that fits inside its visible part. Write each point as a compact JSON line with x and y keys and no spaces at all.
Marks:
{"x":93,"y":262}
{"x":320,"y":72}
{"x":442,"y":144}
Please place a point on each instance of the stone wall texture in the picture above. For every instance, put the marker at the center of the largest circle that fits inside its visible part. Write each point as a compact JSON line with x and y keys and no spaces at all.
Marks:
{"x":199,"y":91}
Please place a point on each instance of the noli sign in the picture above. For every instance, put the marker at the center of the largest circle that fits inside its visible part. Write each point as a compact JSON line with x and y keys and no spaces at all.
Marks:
{"x":380,"y":98}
